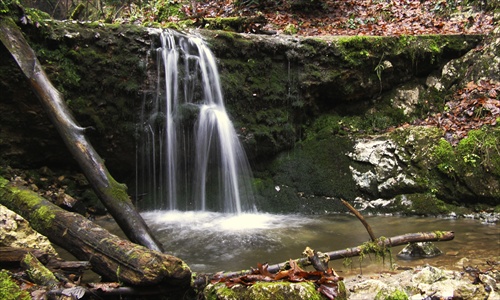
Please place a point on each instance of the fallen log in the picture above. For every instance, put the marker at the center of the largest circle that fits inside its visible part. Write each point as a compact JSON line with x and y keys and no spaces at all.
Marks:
{"x":37,"y":272}
{"x":14,"y":256}
{"x":380,"y":244}
{"x":111,"y":193}
{"x":110,"y":256}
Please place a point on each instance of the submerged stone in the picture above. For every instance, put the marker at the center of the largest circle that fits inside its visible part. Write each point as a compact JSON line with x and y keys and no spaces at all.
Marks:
{"x":419,"y":250}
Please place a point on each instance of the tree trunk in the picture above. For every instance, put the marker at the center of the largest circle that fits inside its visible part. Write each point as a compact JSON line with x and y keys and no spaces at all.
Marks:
{"x":110,"y":256}
{"x":112,"y":194}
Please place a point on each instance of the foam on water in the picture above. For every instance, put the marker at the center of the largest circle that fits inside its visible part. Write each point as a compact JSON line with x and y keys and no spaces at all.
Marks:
{"x":222,"y":222}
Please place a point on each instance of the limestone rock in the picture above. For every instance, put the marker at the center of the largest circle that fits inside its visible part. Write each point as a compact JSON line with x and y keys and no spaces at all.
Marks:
{"x":388,"y":165}
{"x":407,"y":97}
{"x":15,"y":231}
{"x":423,"y":283}
{"x":429,"y":275}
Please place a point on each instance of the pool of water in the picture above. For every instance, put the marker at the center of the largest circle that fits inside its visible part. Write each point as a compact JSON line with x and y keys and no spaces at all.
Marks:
{"x":212,"y":242}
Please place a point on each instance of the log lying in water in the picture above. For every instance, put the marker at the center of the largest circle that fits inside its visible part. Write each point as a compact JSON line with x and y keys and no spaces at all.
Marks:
{"x":111,"y":193}
{"x":110,"y":256}
{"x":379,"y":245}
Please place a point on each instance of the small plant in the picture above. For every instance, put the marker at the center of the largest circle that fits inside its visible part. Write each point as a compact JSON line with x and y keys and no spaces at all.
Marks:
{"x":291,"y":29}
{"x":382,"y":65}
{"x":471,"y":159}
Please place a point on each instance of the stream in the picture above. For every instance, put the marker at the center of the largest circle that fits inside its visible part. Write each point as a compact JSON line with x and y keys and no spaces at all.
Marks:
{"x":212,"y":242}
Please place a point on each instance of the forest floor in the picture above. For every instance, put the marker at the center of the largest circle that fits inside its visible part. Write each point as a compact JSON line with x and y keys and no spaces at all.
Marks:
{"x":356,"y":17}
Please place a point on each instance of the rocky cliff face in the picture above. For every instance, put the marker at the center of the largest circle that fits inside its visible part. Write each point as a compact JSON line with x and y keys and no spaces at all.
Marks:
{"x":310,"y":111}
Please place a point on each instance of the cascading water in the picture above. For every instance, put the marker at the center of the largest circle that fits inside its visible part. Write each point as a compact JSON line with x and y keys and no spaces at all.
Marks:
{"x":189,"y":155}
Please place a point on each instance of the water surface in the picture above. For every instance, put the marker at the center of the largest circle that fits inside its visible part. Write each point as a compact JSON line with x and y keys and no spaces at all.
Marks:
{"x":211,"y":242}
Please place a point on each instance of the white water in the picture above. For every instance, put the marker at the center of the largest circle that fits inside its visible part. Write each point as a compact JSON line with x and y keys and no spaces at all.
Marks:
{"x":189,"y":155}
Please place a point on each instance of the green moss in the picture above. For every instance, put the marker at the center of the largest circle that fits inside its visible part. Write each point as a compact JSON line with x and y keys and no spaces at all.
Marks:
{"x":37,"y":272}
{"x":3,"y":182}
{"x":439,"y":234}
{"x":427,"y":204}
{"x":480,"y":148}
{"x":395,"y":295}
{"x":36,"y":15}
{"x":445,"y":156}
{"x":9,"y":289}
{"x":357,"y":49}
{"x":230,"y":23}
{"x":43,"y":218}
{"x":284,"y":291}
{"x":378,"y":248}
{"x":117,"y":190}
{"x":278,"y":290}
{"x":475,"y":160}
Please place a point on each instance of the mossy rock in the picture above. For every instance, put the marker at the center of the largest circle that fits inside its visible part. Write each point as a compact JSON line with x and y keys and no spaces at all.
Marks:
{"x":268,"y":291}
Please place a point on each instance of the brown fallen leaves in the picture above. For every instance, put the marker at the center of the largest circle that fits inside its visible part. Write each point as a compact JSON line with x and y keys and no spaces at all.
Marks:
{"x":326,"y":282}
{"x":470,"y":108}
{"x":353,"y":17}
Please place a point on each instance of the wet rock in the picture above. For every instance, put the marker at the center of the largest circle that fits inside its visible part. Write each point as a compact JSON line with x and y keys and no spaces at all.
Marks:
{"x":419,"y":250}
{"x":489,"y":218}
{"x":15,"y":231}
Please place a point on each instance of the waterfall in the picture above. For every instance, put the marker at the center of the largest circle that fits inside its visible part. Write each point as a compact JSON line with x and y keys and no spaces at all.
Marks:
{"x":188,"y":153}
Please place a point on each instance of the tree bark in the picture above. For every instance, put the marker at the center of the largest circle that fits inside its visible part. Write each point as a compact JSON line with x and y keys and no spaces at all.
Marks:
{"x":14,"y":255}
{"x":37,"y":272}
{"x":112,"y":194}
{"x":114,"y":258}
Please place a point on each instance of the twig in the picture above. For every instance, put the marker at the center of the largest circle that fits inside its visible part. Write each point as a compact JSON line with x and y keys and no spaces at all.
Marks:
{"x":360,"y":217}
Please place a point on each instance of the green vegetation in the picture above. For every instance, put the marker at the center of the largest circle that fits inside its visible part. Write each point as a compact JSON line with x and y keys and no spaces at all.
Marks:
{"x":426,"y":204}
{"x":395,"y":295}
{"x":445,"y":155}
{"x":279,"y":290}
{"x":378,"y":248}
{"x":290,"y":29}
{"x":9,"y":289}
{"x":478,"y":152}
{"x":5,"y":6}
